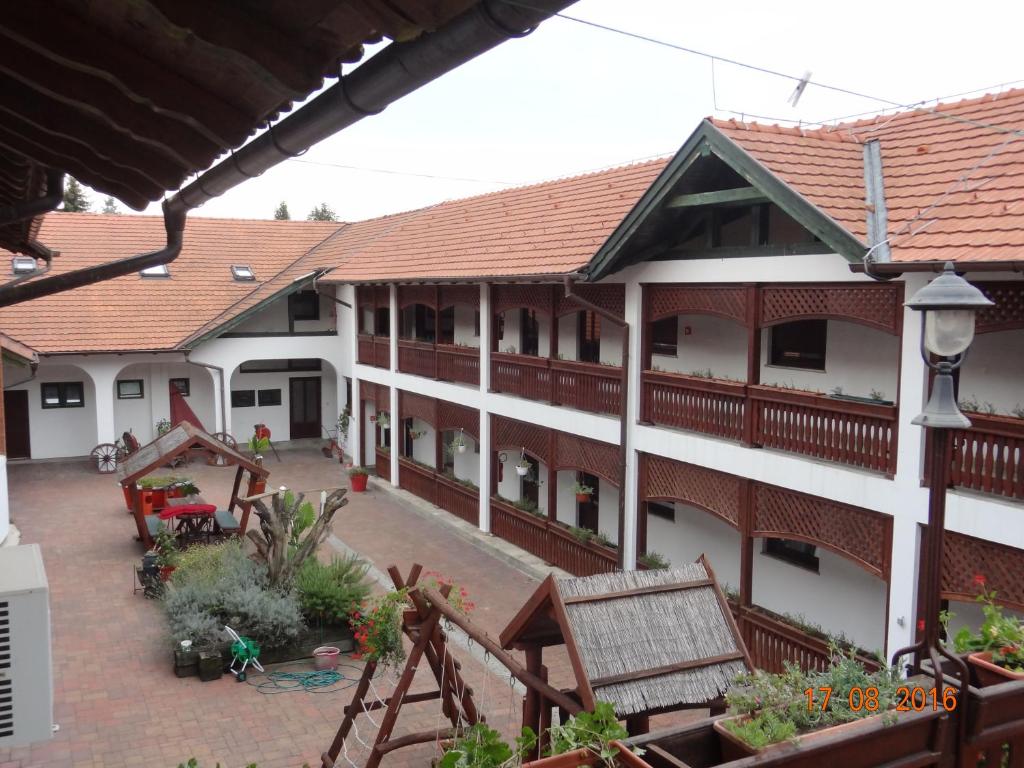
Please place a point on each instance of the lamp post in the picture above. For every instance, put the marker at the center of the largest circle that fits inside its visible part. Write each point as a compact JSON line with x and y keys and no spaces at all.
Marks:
{"x":949,"y":304}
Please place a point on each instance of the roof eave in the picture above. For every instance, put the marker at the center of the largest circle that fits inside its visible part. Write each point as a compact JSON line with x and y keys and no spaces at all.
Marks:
{"x":608,"y":257}
{"x":554,"y":277}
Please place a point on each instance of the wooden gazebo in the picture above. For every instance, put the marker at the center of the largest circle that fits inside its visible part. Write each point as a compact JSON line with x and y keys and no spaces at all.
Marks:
{"x":646,"y":641}
{"x":181,"y":439}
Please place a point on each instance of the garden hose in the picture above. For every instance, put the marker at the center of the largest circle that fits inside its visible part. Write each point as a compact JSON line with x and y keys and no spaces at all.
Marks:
{"x":310,"y":681}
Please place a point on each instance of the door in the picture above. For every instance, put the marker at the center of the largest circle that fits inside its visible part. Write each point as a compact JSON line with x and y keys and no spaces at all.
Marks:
{"x":586,"y":511}
{"x":304,"y":407}
{"x":16,"y":430}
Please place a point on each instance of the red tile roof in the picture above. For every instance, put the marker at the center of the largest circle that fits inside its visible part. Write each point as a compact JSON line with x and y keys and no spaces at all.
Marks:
{"x":543,"y":229}
{"x":134,"y":312}
{"x":954,"y":175}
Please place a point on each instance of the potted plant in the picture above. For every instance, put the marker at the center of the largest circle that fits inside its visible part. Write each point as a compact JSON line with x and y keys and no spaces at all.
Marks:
{"x":654,"y":560}
{"x":163,"y":426}
{"x":165,"y":545}
{"x":377,"y":626}
{"x":458,"y":444}
{"x":523,"y":467}
{"x":358,"y":477}
{"x":996,"y":650}
{"x":258,"y":444}
{"x":383,"y":420}
{"x":583,"y":492}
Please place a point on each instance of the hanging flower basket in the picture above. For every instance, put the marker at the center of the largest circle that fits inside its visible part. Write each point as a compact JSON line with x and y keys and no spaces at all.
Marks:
{"x":522,"y":469}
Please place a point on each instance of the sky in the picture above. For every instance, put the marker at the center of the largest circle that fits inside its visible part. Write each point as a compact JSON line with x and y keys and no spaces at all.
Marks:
{"x":571,"y":98}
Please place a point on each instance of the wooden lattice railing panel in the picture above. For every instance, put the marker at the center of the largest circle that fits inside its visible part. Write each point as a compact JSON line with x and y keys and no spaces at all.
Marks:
{"x":456,"y":498}
{"x":863,"y":536}
{"x":587,"y":386}
{"x":989,"y":456}
{"x":596,"y":458}
{"x":463,"y":295}
{"x":383,"y":464}
{"x":458,"y":364}
{"x":417,"y":294}
{"x":876,"y":306}
{"x":411,"y":405}
{"x":510,"y":434}
{"x":966,"y":557}
{"x":382,"y":351}
{"x":716,"y":492}
{"x":1008,"y":312}
{"x":454,"y":417}
{"x":416,"y":357}
{"x":608,"y":296}
{"x":710,"y":406}
{"x":418,"y":480}
{"x":725,"y":301}
{"x":522,"y":375}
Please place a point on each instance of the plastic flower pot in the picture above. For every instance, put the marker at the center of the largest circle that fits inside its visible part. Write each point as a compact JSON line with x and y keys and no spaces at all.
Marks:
{"x":522,"y":471}
{"x":582,"y":497}
{"x":358,"y":482}
{"x":326,"y":657}
{"x":461,"y":448}
{"x":990,"y":673}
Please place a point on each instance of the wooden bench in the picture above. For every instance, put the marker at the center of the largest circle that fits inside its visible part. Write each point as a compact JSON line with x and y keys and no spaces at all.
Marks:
{"x":225,"y":521}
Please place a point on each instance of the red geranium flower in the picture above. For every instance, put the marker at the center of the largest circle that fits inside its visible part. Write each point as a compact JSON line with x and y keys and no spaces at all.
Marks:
{"x":979,"y":579}
{"x":920,"y":625}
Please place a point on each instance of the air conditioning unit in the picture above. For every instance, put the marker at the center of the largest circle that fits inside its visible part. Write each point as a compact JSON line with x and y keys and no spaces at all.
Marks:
{"x":26,"y":670}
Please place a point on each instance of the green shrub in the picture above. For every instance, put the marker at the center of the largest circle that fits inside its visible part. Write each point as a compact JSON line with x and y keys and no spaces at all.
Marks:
{"x":204,"y":562}
{"x":329,"y":593}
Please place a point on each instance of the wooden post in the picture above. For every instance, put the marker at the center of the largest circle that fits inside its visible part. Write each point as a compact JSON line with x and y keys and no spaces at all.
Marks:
{"x":746,"y":543}
{"x":753,"y":358}
{"x":350,"y":715}
{"x":357,"y":454}
{"x":532,"y":700}
{"x":641,"y":506}
{"x":553,"y":393}
{"x":437,"y":324}
{"x":645,"y":358}
{"x":552,"y":478}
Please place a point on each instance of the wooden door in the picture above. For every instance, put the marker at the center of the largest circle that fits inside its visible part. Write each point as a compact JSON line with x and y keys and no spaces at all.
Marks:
{"x":16,"y":428}
{"x":304,"y":407}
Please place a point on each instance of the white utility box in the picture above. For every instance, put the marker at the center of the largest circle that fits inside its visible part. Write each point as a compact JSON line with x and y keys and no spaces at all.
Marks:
{"x":26,"y":669}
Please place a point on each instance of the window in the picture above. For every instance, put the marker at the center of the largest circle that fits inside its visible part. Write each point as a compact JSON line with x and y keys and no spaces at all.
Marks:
{"x":63,"y":394}
{"x":242,"y":272}
{"x":529,"y":332}
{"x":800,"y":344}
{"x":23,"y":265}
{"x":304,"y":305}
{"x":416,"y":322}
{"x":382,"y":324}
{"x":184,"y":386}
{"x":665,"y":336}
{"x":796,"y":553}
{"x":278,"y":366}
{"x":160,"y":270}
{"x":130,"y":389}
{"x":664,"y":511}
{"x":589,"y":325}
{"x":269,"y":397}
{"x":243,"y":398}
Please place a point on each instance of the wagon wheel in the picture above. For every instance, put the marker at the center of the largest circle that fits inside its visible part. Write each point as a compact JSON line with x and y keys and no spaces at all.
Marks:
{"x":229,"y":441}
{"x":106,"y":456}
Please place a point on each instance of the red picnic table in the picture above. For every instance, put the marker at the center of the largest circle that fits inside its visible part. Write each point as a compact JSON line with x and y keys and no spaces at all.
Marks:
{"x":194,"y":519}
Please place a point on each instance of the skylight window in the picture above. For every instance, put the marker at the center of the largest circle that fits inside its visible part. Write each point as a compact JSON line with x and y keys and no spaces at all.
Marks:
{"x":23,"y":265}
{"x":242,"y":272}
{"x":160,"y":270}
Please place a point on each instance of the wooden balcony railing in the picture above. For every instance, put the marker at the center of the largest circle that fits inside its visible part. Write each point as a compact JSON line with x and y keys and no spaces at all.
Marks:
{"x":383,"y":464}
{"x":772,"y":642}
{"x":586,"y":386}
{"x":374,"y":350}
{"x":418,"y":480}
{"x":416,"y":357}
{"x":550,"y":541}
{"x":989,"y":456}
{"x":712,"y":406}
{"x":460,"y":500}
{"x":458,"y":364}
{"x":860,"y":434}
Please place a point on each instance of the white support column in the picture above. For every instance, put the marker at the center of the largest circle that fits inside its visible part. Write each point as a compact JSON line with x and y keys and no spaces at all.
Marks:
{"x":393,"y":316}
{"x":355,"y":429}
{"x":903,"y":584}
{"x":103,"y":377}
{"x":355,"y":422}
{"x":486,"y":449}
{"x":396,"y":428}
{"x":634,"y":316}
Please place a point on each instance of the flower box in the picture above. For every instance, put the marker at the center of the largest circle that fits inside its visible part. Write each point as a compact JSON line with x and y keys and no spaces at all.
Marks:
{"x":990,"y":673}
{"x":586,"y":757}
{"x":734,"y":748}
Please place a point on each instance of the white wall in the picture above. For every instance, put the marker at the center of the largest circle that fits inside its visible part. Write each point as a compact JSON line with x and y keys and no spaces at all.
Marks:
{"x":465,"y":325}
{"x":512,"y":337}
{"x":993,"y":372}
{"x":466,"y":466}
{"x":369,"y":433}
{"x":5,"y":513}
{"x":712,"y":343}
{"x":611,"y":343}
{"x":140,"y":416}
{"x":277,"y":417}
{"x":424,"y":449}
{"x":274,"y":317}
{"x":56,"y":432}
{"x":857,"y":358}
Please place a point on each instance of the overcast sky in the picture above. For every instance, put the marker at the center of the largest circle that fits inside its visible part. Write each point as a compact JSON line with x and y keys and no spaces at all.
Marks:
{"x":570,"y":98}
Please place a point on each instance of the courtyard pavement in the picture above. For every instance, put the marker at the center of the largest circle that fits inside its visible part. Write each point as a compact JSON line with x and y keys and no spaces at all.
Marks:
{"x":116,"y":698}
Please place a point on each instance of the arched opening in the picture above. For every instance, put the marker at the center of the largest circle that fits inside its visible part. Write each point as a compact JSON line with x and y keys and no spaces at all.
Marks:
{"x":141,"y":396}
{"x":295,"y":398}
{"x":60,"y":406}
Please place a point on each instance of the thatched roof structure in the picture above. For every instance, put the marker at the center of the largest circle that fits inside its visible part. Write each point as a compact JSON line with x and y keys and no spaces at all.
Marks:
{"x":646,"y":641}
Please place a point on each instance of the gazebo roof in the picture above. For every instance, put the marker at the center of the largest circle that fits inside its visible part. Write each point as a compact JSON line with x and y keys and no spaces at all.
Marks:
{"x":646,"y":641}
{"x":181,"y":438}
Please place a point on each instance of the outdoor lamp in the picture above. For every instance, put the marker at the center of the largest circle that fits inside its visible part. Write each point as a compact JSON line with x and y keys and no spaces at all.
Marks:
{"x":949,"y":304}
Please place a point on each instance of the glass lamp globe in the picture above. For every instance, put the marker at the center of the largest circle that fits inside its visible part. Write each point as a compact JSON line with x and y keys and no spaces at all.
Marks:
{"x":948,"y":332}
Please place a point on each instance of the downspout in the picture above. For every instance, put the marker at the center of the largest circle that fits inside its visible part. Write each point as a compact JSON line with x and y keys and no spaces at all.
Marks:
{"x":29,"y":209}
{"x":174,"y":224}
{"x":878,"y":212}
{"x":223,"y":397}
{"x":623,"y":415}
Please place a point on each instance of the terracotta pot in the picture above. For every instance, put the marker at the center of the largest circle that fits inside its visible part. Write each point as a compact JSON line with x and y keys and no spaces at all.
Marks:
{"x":990,"y":673}
{"x":358,"y":482}
{"x":566,"y":760}
{"x":583,"y":498}
{"x":159,"y":497}
{"x":326,"y":657}
{"x":146,"y":501}
{"x":166,"y":571}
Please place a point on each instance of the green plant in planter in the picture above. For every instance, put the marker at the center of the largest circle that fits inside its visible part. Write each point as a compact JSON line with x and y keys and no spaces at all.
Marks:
{"x":185,"y":486}
{"x":329,"y":593}
{"x":581,"y":534}
{"x":593,"y":731}
{"x":602,"y":538}
{"x":259,"y":445}
{"x":159,"y":481}
{"x":377,"y":626}
{"x":163,"y":426}
{"x":357,"y":471}
{"x":1001,"y":634}
{"x":582,"y":490}
{"x":166,"y":545}
{"x":654,"y":560}
{"x":344,"y":419}
{"x":480,"y":746}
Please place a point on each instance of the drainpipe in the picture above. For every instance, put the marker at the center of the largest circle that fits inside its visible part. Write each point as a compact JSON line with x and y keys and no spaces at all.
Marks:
{"x":223,"y":398}
{"x":29,"y":209}
{"x":174,"y":223}
{"x":397,"y":71}
{"x":624,"y":384}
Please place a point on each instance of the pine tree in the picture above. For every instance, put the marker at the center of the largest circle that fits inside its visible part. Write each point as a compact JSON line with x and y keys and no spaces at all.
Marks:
{"x":281,"y":214}
{"x":75,"y":198}
{"x":110,"y":206}
{"x":322,"y":212}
